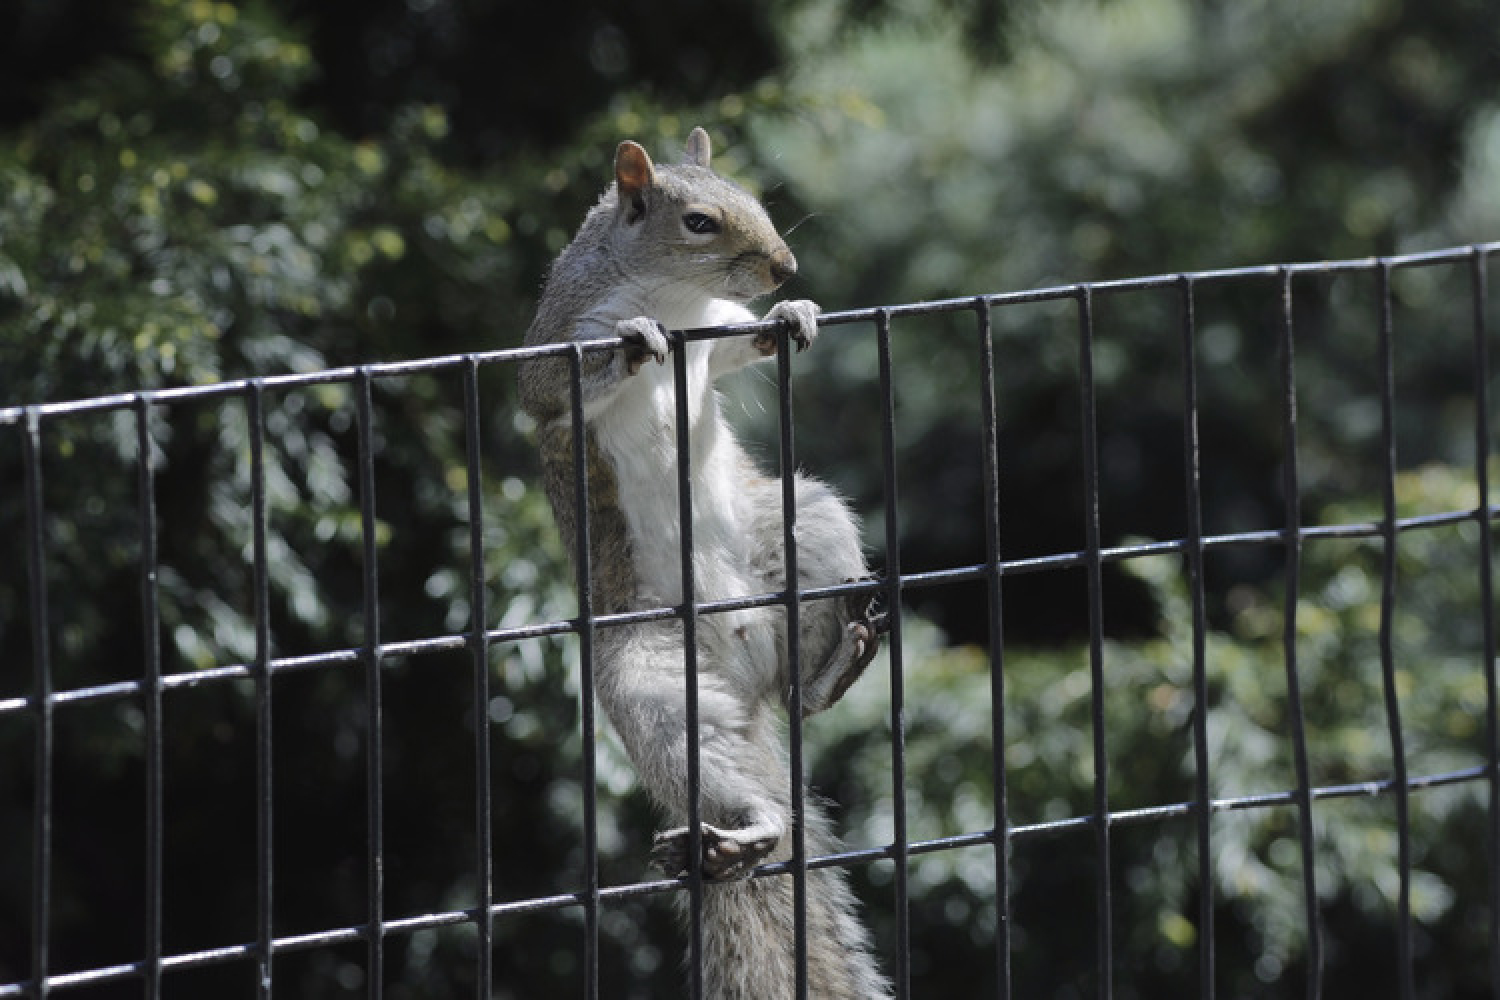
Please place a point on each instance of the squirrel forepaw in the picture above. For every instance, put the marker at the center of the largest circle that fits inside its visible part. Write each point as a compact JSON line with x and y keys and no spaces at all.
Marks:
{"x":801,"y":317}
{"x":644,"y":338}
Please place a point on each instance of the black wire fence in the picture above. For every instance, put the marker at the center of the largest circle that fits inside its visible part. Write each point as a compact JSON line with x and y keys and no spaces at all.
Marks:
{"x":41,"y":705}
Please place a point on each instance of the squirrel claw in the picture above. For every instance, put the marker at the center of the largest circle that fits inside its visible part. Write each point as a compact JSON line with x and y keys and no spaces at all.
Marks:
{"x":644,"y":338}
{"x":867,"y":624}
{"x":801,"y":318}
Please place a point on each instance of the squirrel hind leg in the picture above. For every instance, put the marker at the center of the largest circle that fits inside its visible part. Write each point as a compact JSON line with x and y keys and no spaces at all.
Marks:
{"x":727,"y":854}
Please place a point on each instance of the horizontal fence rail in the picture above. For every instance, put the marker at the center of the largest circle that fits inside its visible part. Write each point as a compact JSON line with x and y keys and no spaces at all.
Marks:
{"x":41,"y":705}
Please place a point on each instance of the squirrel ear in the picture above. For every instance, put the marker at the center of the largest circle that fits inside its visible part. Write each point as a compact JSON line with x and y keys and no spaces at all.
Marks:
{"x":633,"y":174}
{"x":699,"y":150}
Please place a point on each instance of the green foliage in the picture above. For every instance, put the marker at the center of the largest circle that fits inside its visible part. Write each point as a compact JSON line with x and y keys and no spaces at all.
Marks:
{"x":186,"y":222}
{"x":1148,"y":712}
{"x":1165,"y":134}
{"x":208,"y":202}
{"x":183,"y":220}
{"x":1115,"y":140}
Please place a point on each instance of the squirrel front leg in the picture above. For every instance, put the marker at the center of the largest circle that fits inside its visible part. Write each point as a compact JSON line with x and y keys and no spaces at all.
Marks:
{"x":545,"y":382}
{"x":801,"y":315}
{"x":645,"y":339}
{"x":734,"y":353}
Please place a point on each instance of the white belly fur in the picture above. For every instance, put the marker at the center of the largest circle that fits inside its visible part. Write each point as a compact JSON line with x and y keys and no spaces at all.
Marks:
{"x":637,"y":434}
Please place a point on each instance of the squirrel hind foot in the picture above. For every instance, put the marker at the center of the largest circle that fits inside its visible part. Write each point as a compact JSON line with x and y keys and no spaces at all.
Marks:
{"x":870,"y":612}
{"x":727,"y":854}
{"x":868,"y":620}
{"x":863,"y":637}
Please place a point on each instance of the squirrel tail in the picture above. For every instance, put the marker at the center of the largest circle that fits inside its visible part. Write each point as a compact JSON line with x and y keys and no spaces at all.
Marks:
{"x":749,"y":950}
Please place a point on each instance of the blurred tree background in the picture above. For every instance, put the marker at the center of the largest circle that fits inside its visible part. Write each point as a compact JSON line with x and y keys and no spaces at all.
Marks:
{"x":192,"y":191}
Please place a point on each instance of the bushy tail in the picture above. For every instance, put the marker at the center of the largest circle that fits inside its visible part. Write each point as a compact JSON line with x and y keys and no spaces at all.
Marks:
{"x":749,"y":950}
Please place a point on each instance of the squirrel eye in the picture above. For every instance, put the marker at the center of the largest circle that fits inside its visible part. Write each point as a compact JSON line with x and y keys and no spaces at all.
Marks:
{"x":697,"y":222}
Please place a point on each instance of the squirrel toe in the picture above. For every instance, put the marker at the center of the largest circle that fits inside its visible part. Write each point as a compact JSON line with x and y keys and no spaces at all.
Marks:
{"x":801,"y":317}
{"x":644,"y":338}
{"x":726,"y":854}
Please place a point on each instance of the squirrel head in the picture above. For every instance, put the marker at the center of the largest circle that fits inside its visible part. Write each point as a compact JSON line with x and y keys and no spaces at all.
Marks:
{"x":685,"y":224}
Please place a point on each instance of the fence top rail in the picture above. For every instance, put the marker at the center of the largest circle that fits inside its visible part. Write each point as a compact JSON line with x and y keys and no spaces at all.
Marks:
{"x":17,"y":414}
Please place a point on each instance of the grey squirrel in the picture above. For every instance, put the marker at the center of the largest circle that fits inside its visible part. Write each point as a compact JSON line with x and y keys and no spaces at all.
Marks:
{"x":676,"y":247}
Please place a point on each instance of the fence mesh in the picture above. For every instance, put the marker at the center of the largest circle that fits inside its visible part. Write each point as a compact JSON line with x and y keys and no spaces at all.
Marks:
{"x":48,"y":701}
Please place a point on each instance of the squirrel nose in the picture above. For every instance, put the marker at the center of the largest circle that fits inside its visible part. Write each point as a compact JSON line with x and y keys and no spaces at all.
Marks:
{"x":783,"y":266}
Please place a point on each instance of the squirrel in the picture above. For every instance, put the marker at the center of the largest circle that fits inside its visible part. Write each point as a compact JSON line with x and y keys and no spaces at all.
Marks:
{"x":678,"y":247}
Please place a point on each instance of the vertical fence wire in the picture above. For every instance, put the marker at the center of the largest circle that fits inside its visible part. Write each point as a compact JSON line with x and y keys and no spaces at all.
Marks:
{"x":479,"y":648}
{"x":261,"y":671}
{"x":1094,"y":563}
{"x":1202,"y":786}
{"x":584,"y":581}
{"x":1478,"y":291}
{"x":41,"y":705}
{"x":994,"y":578}
{"x":787,"y":461}
{"x":689,"y":612}
{"x":374,"y":725}
{"x":1292,"y":538}
{"x":899,"y":843}
{"x":1386,"y":352}
{"x":150,"y":695}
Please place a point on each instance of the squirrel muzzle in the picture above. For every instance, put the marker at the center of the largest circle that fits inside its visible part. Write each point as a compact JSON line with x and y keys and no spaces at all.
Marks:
{"x":783,"y":267}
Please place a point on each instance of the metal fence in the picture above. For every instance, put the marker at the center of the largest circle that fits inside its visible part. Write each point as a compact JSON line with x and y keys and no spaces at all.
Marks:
{"x":44,"y":702}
